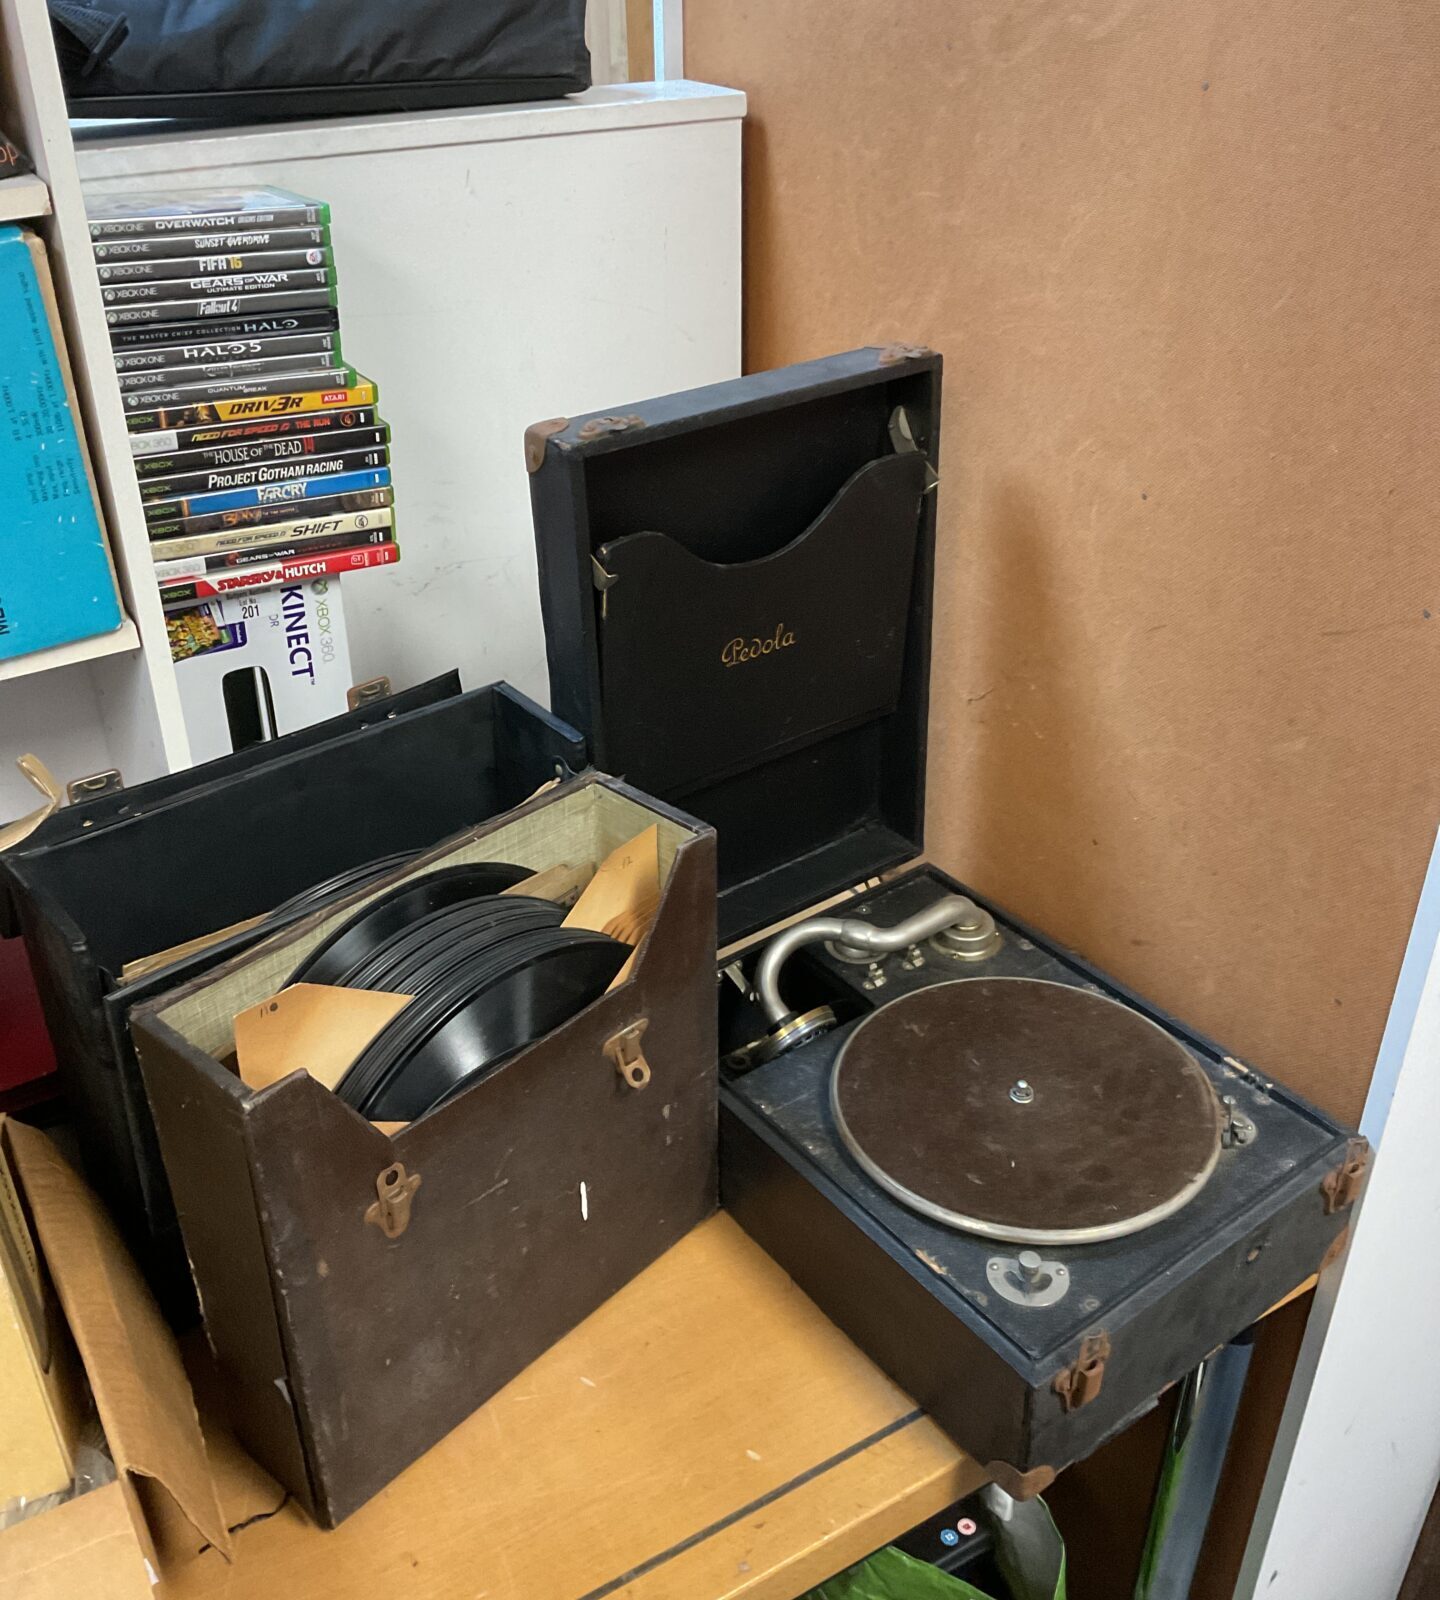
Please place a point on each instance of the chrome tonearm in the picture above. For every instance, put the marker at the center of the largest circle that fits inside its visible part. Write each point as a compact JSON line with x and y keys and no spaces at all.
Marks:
{"x":973,"y":937}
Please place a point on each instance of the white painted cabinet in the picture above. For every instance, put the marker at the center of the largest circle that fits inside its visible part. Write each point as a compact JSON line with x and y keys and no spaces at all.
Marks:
{"x":495,"y":267}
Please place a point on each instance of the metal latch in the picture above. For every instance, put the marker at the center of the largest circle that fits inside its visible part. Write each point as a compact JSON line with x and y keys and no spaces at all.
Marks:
{"x":1080,"y":1382}
{"x":1341,"y":1188}
{"x":903,"y":442}
{"x":390,"y":1210}
{"x":598,"y":427}
{"x":604,"y":581}
{"x":91,"y":788}
{"x":625,"y":1052}
{"x":1235,"y":1127}
{"x":364,"y":694}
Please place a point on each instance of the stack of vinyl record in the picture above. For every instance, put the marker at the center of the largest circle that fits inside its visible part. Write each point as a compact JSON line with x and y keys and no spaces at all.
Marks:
{"x":261,"y":456}
{"x":488,"y":971}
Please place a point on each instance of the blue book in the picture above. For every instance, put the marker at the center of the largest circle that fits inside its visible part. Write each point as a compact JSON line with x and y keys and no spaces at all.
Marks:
{"x":267,"y":494}
{"x":56,"y":581}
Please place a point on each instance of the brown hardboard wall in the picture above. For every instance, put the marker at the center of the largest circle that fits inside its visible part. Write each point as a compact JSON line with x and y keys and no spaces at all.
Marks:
{"x":1181,"y":261}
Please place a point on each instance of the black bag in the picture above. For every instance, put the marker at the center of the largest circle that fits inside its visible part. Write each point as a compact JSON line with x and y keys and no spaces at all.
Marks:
{"x":237,"y":60}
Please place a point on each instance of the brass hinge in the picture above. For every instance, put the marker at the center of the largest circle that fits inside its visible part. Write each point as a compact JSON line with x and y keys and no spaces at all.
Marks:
{"x":390,"y":1210}
{"x":1080,"y":1382}
{"x":535,"y":437}
{"x":1341,"y":1188}
{"x":362,"y":694}
{"x":598,"y":427}
{"x":98,"y":783}
{"x":627,"y":1055}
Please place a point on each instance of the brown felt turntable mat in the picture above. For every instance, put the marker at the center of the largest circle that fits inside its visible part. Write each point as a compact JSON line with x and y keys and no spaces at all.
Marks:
{"x":1026,"y":1110}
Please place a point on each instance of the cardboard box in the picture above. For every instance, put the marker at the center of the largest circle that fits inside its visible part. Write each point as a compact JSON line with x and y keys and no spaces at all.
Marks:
{"x":105,"y":1545}
{"x":280,"y":661}
{"x":39,"y":1383}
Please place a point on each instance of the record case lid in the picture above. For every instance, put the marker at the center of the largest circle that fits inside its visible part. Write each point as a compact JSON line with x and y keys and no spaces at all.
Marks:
{"x":737,"y":583}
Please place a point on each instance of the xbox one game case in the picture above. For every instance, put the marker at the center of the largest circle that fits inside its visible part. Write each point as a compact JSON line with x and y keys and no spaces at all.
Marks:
{"x":224,"y":305}
{"x":265,"y":325}
{"x":203,"y":267}
{"x":123,"y":216}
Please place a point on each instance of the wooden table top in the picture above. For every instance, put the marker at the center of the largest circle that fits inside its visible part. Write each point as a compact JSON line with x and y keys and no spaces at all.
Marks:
{"x":706,"y":1435}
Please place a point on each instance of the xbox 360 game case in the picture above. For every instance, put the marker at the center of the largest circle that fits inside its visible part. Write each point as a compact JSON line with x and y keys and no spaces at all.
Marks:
{"x":294,"y":448}
{"x":170,"y":524}
{"x":210,"y":431}
{"x":211,"y":480}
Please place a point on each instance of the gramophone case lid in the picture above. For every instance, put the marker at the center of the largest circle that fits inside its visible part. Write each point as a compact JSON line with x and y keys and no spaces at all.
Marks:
{"x":737,"y":590}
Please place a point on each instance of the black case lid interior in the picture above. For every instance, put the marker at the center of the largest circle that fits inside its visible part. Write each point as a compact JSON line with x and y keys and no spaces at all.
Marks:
{"x":737,"y":588}
{"x":148,"y":868}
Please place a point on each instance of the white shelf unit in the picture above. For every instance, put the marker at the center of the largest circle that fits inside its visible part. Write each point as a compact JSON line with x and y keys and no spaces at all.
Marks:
{"x":124,"y":639}
{"x":496,"y":266}
{"x":109,"y":701}
{"x":23,"y":199}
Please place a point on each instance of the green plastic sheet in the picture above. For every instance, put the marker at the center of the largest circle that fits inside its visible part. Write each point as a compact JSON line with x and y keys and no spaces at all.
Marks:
{"x":892,"y":1575}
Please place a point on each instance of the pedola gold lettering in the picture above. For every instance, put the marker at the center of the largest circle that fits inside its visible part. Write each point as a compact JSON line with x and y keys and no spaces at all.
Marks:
{"x":739,"y":650}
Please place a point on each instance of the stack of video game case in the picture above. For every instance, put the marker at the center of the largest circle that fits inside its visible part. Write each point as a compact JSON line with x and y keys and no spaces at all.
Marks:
{"x":261,"y":456}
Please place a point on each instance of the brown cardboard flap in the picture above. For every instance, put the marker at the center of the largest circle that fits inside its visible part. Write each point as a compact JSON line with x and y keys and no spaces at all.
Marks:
{"x":83,"y":1550}
{"x":623,"y":896}
{"x":311,"y":1027}
{"x":39,"y":774}
{"x":130,"y":1355}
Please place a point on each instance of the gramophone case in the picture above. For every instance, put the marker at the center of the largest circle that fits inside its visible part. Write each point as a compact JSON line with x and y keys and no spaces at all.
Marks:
{"x":737,"y":593}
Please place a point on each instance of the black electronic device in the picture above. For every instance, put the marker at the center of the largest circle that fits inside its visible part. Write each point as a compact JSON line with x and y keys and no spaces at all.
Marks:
{"x":1034,"y":1199}
{"x":958,"y":1540}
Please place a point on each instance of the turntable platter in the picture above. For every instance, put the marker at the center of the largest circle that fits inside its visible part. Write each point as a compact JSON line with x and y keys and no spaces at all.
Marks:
{"x":1026,"y":1110}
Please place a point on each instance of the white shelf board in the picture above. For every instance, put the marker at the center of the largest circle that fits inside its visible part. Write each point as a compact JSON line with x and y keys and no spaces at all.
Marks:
{"x":125,"y":637}
{"x":24,"y":198}
{"x":111,"y":150}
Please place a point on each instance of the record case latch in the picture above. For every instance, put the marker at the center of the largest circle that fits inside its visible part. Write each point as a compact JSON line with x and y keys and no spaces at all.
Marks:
{"x":1341,"y":1188}
{"x":394,"y":1190}
{"x":627,"y":1054}
{"x":1079,"y":1383}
